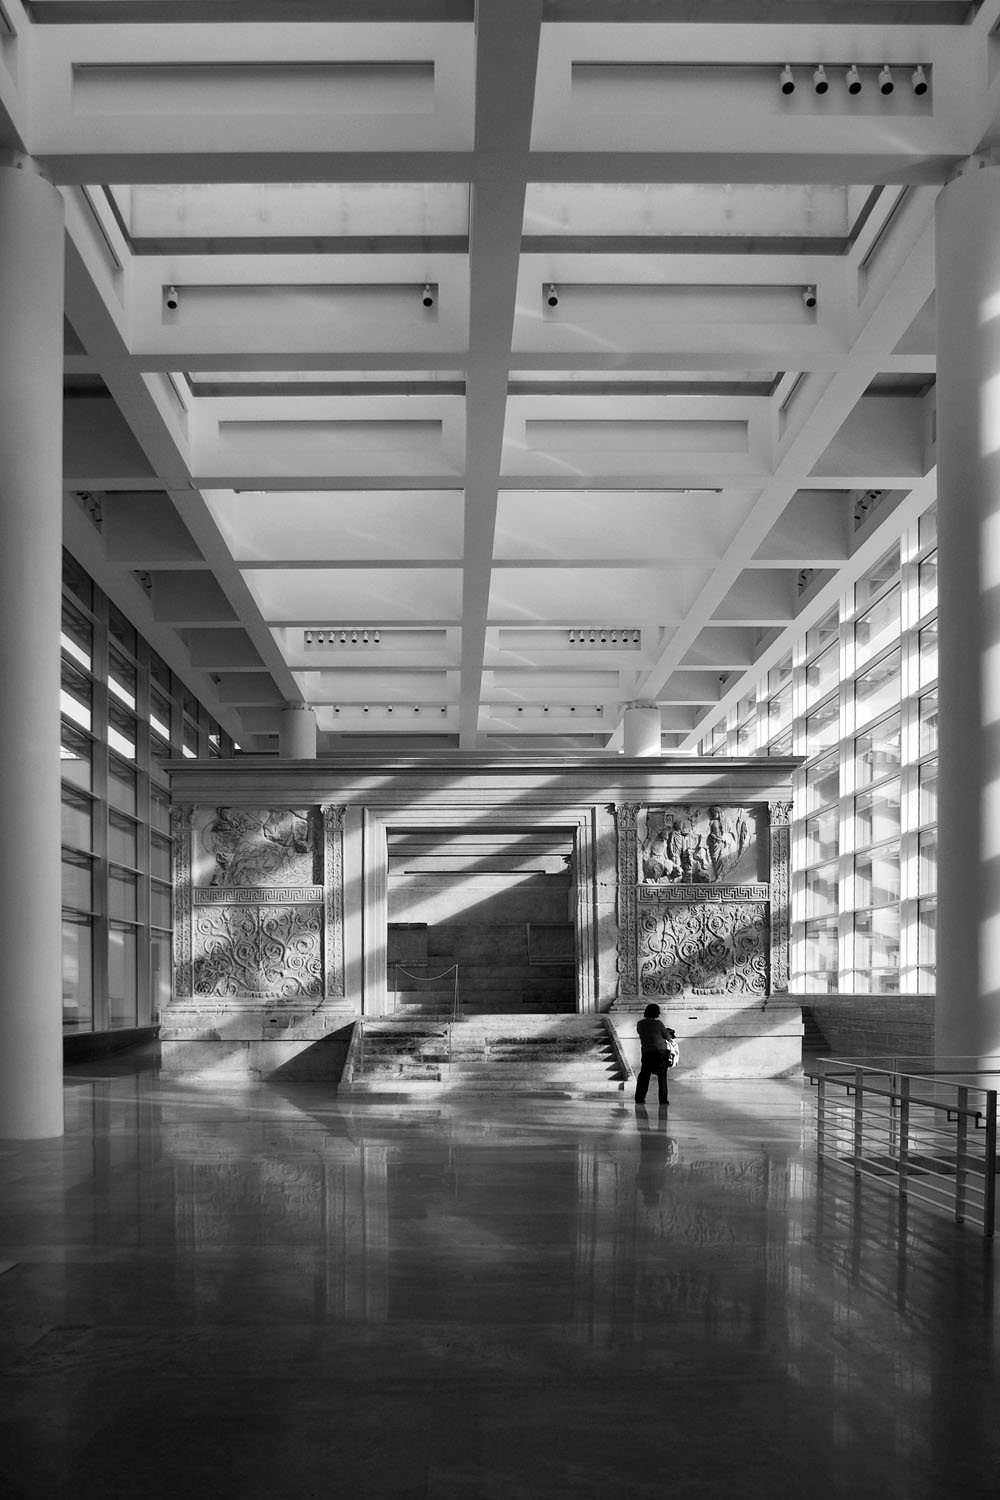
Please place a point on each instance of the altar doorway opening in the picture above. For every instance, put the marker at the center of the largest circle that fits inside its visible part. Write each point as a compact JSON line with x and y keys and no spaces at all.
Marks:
{"x":489,"y":915}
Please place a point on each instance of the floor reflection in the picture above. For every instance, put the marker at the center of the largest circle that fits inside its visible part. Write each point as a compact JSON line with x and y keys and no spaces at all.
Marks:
{"x":268,"y":1292}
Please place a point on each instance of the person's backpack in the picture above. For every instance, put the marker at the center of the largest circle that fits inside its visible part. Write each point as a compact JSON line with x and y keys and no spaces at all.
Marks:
{"x":673,"y":1051}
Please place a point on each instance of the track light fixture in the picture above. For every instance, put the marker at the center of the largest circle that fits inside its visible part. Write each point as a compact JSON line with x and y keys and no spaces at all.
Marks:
{"x":343,"y":637}
{"x":918,"y":78}
{"x":365,"y":709}
{"x":321,"y":639}
{"x":885,"y":83}
{"x":551,"y":295}
{"x":428,"y":299}
{"x":171,"y":298}
{"x":354,"y":637}
{"x":821,"y":84}
{"x":853,"y":79}
{"x":809,"y":296}
{"x":786,"y":78}
{"x":309,"y":637}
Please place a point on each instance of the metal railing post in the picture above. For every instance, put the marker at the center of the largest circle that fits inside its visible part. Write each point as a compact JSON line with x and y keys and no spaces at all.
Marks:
{"x":961,"y":1153}
{"x":990,"y":1183}
{"x":904,"y":1133}
{"x":859,"y":1123}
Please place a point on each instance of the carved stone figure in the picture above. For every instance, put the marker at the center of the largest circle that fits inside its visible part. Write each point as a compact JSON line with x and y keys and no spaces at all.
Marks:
{"x":691,"y":845}
{"x":259,"y":846}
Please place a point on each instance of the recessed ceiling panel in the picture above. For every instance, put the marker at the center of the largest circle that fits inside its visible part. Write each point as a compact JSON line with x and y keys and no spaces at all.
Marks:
{"x":610,"y":524}
{"x":682,"y":209}
{"x":339,"y":525}
{"x":356,"y":595}
{"x":623,"y":595}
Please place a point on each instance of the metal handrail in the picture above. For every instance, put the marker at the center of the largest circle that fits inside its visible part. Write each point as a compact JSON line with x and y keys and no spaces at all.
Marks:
{"x":937,"y":1145}
{"x":354,"y":1062}
{"x":456,"y":1004}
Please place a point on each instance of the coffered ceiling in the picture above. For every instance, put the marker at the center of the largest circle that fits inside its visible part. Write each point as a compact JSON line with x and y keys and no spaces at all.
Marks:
{"x":470,"y":372}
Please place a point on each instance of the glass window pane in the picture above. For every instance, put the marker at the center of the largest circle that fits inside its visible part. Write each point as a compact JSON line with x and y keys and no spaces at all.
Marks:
{"x":159,"y":963}
{"x":822,"y":675}
{"x":77,"y":580}
{"x":823,"y":634}
{"x":122,"y":677}
{"x":820,"y":957}
{"x":822,"y":782}
{"x":76,"y":697}
{"x":189,"y":702}
{"x":927,"y":934}
{"x":877,"y":689}
{"x":927,"y":812}
{"x":876,"y":950}
{"x":822,"y":839}
{"x":823,"y":727}
{"x":746,"y":738}
{"x":928,"y":723}
{"x":121,"y":785}
{"x":78,"y":969}
{"x":121,"y":731}
{"x":746,"y":706}
{"x":122,"y":975}
{"x":77,"y":881}
{"x":159,"y":905}
{"x":160,"y":713}
{"x":76,"y":758}
{"x":876,"y":876}
{"x":215,"y":746}
{"x":782,"y":745}
{"x":821,"y":891}
{"x":190,"y":740}
{"x":927,"y":584}
{"x":928,"y":669}
{"x":159,"y":672}
{"x":159,"y":857}
{"x":77,"y":820}
{"x":877,"y":578}
{"x":877,"y":628}
{"x":877,"y":753}
{"x":927,"y":863}
{"x":927,"y":527}
{"x":120,"y":629}
{"x":159,"y":809}
{"x":77,"y":635}
{"x":122,"y":893}
{"x":123,"y":843}
{"x":877,"y":814}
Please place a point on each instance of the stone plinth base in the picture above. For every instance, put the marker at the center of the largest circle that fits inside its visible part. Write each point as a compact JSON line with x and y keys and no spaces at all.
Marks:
{"x":720,"y":1036}
{"x":246,"y":1040}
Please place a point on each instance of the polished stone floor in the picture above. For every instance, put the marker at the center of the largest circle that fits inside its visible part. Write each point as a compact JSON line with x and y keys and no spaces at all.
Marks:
{"x":267,"y":1294}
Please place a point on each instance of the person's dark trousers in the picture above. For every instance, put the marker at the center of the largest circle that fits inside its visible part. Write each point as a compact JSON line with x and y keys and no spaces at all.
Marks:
{"x":652,"y":1062}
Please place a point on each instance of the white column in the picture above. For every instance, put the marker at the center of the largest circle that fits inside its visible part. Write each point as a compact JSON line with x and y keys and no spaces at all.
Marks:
{"x":297,"y":734}
{"x":31,"y":354}
{"x":642,"y":731}
{"x":968,"y":417}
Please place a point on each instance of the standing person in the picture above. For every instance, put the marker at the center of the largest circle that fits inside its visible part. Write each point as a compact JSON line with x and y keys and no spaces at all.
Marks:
{"x":653,"y":1039}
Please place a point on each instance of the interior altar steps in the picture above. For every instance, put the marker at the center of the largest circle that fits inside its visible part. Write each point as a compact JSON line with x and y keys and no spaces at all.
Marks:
{"x":485,"y":1054}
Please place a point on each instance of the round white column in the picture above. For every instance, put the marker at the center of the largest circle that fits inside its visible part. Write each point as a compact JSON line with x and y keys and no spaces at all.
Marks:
{"x":31,"y":355}
{"x":968,"y":417}
{"x":642,"y":731}
{"x":297,"y":735}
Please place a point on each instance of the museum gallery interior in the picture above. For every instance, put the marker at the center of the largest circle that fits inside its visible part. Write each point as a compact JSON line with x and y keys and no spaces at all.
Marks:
{"x":479,"y":481}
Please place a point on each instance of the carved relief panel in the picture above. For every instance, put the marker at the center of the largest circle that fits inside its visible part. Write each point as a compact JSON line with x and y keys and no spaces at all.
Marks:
{"x":259,"y":902}
{"x":695,"y":912}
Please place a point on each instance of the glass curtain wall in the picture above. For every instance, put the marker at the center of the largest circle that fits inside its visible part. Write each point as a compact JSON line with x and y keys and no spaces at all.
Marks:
{"x":858,"y":698}
{"x":123,"y":714}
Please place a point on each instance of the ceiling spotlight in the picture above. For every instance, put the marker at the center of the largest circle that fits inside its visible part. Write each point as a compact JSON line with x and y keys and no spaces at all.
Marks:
{"x":593,"y":638}
{"x":635,"y":637}
{"x":377,"y":639}
{"x":320,"y":639}
{"x":443,"y":709}
{"x":918,"y":78}
{"x":821,"y":83}
{"x":416,"y":708}
{"x":572,"y":637}
{"x":365,"y":709}
{"x":343,"y":638}
{"x":171,"y":298}
{"x":364,"y":638}
{"x":572,"y":708}
{"x":551,"y":296}
{"x":520,"y":709}
{"x":309,"y":637}
{"x":853,"y":80}
{"x":545,"y":709}
{"x":787,"y":80}
{"x":885,"y":82}
{"x":809,"y":296}
{"x":428,"y":298}
{"x":336,"y":708}
{"x":604,"y":637}
{"x":389,"y":708}
{"x":354,"y":637}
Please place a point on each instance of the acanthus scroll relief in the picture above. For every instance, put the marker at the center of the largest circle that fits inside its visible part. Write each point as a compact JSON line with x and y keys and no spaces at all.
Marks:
{"x":705,"y":949}
{"x":268,"y":952}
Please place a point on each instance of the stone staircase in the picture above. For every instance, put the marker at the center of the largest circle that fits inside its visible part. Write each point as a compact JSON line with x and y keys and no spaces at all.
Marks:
{"x":556,"y":1055}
